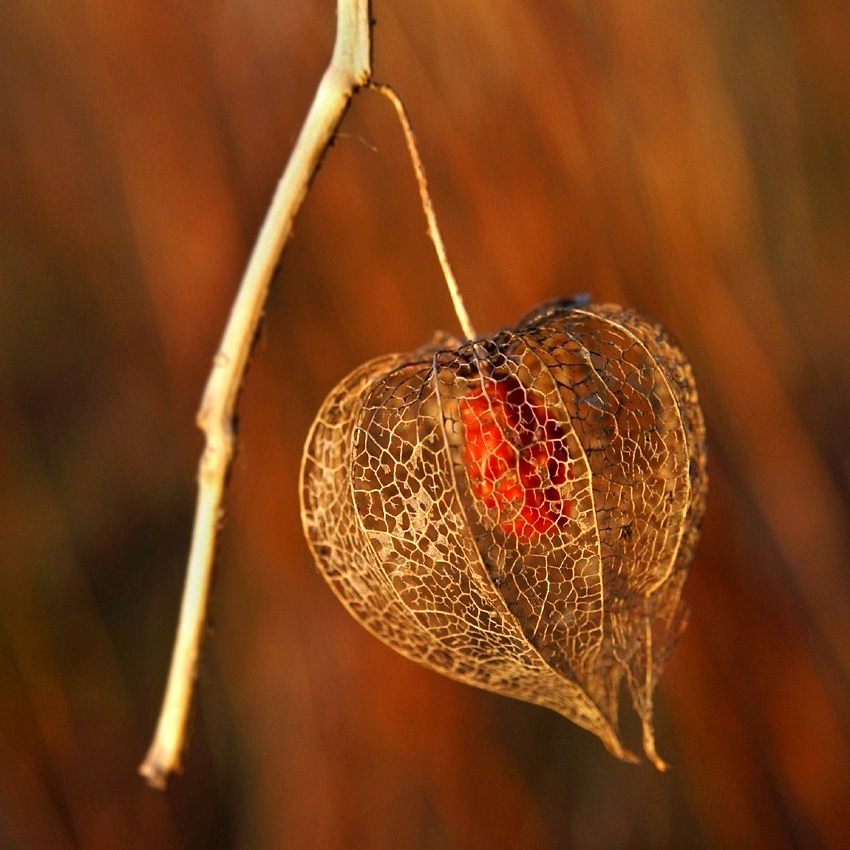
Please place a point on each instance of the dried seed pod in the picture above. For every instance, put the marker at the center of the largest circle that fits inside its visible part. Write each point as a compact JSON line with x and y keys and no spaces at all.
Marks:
{"x":519,"y":512}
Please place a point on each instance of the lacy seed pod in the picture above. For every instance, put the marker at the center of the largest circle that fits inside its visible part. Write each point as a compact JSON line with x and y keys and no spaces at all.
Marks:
{"x":518,"y":512}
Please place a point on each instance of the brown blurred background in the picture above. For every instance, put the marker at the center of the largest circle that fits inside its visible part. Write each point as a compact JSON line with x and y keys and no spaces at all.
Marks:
{"x":691,"y":159}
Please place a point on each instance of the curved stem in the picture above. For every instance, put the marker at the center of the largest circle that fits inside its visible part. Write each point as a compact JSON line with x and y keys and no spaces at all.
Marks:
{"x":428,"y":207}
{"x":349,"y":68}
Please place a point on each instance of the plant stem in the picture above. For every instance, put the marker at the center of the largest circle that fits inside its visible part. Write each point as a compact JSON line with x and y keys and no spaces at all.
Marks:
{"x":428,"y":207}
{"x":349,"y":68}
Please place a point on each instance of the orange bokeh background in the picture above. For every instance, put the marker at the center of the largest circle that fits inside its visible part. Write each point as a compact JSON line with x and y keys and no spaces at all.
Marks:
{"x":691,"y":160}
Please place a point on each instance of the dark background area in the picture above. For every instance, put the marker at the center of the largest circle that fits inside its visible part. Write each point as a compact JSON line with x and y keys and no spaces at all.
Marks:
{"x":690,"y":159}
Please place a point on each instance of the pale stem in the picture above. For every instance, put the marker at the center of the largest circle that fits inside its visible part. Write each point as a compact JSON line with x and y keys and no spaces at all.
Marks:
{"x":349,"y":68}
{"x":428,"y":208}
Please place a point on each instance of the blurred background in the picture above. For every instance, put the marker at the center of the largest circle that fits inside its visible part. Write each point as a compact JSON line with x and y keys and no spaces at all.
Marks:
{"x":690,"y":159}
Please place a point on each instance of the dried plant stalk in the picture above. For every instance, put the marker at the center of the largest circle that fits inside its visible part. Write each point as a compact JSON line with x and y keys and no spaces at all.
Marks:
{"x":519,"y":512}
{"x":349,"y":68}
{"x":428,"y":207}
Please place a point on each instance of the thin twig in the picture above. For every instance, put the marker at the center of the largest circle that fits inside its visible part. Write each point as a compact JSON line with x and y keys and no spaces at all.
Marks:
{"x":428,"y":207}
{"x":349,"y":68}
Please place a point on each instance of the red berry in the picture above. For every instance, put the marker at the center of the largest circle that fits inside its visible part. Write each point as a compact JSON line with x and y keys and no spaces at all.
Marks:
{"x":516,"y":457}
